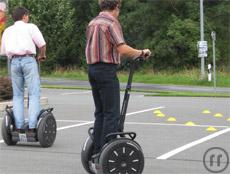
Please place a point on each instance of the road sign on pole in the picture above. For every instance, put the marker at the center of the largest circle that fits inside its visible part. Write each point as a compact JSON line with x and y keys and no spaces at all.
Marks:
{"x":202,"y":49}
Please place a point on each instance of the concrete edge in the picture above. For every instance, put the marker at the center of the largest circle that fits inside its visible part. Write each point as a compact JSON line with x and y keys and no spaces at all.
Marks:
{"x":43,"y":101}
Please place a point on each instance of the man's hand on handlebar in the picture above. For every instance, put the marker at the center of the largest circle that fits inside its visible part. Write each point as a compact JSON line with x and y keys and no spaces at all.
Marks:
{"x":145,"y":54}
{"x":41,"y":58}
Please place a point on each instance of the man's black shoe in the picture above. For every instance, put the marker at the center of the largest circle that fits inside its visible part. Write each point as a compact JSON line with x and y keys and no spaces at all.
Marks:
{"x":95,"y":158}
{"x":20,"y":131}
{"x":31,"y":133}
{"x":95,"y":162}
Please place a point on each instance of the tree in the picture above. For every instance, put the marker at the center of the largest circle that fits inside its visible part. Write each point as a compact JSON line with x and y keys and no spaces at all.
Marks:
{"x":82,"y":18}
{"x":56,"y":21}
{"x":170,"y":28}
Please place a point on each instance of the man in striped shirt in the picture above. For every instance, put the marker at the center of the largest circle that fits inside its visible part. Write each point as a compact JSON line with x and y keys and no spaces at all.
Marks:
{"x":105,"y":45}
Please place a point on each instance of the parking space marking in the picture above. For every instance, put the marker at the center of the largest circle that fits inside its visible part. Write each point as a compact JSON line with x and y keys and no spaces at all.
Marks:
{"x":146,"y":110}
{"x":73,"y":121}
{"x":75,"y":125}
{"x":68,"y":127}
{"x":192,"y":144}
{"x":90,"y":122}
{"x":150,"y":124}
{"x":169,"y":124}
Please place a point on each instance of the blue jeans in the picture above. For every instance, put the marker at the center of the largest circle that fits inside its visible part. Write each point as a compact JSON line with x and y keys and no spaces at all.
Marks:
{"x":24,"y":70}
{"x":106,"y":95}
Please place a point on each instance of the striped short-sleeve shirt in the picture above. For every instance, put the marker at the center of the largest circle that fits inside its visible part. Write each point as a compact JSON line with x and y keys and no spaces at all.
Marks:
{"x":104,"y":34}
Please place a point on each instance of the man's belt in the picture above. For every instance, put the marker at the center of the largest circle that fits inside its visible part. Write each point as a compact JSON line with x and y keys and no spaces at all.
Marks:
{"x":24,"y":55}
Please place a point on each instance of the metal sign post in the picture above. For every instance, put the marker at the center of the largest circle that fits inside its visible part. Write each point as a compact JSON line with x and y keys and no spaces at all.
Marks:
{"x":202,"y":38}
{"x":213,"y":34}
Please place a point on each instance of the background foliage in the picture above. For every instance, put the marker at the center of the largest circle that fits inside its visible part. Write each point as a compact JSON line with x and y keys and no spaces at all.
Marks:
{"x":170,"y":28}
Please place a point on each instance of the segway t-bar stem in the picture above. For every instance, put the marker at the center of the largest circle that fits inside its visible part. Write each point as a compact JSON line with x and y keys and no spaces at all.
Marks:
{"x":127,"y":93}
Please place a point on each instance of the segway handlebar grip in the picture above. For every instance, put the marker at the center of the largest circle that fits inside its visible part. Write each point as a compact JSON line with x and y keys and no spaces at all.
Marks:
{"x":90,"y":132}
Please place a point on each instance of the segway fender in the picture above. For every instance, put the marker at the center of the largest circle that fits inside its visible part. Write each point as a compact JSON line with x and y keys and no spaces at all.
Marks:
{"x":7,"y":127}
{"x":86,"y":154}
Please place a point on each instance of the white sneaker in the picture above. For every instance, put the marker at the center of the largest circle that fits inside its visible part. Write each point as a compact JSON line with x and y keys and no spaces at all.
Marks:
{"x":93,"y":167}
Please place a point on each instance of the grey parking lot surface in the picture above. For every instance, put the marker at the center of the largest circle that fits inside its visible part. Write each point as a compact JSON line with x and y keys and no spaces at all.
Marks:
{"x":170,"y":147}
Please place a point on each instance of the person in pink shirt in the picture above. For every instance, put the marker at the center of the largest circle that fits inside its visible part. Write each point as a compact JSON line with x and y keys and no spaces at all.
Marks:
{"x":19,"y":43}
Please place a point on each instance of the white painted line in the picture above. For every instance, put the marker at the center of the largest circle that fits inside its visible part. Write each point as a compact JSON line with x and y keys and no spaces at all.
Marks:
{"x":169,"y":124}
{"x":76,"y":93}
{"x":74,"y":121}
{"x":194,"y":143}
{"x":43,"y":102}
{"x":75,"y":125}
{"x":132,"y":113}
{"x":90,"y":122}
{"x":146,"y":110}
{"x":150,"y":124}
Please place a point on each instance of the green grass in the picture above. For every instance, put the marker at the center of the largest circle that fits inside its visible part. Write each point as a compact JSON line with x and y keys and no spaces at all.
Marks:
{"x":188,"y":94}
{"x":183,"y":77}
{"x":75,"y":74}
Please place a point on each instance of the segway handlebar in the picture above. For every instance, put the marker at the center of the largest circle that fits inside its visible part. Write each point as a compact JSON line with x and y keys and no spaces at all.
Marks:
{"x":127,"y":92}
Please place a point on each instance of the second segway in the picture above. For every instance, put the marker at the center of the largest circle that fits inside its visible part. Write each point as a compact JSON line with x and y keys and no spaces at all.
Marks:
{"x":121,"y":154}
{"x":45,"y":132}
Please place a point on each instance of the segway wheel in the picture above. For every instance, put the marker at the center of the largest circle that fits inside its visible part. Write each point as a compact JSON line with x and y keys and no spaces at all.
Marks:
{"x":121,"y":156}
{"x":86,"y":154}
{"x":6,"y":134}
{"x":47,"y":130}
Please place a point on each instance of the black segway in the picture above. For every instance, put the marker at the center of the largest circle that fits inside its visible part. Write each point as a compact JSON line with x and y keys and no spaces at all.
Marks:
{"x":122,"y":154}
{"x":45,"y":131}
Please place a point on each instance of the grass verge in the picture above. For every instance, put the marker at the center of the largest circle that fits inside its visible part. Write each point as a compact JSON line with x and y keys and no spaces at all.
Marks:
{"x":183,"y":77}
{"x":155,"y":92}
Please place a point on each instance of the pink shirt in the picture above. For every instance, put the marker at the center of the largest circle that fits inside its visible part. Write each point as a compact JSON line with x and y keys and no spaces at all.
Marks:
{"x":21,"y":38}
{"x":104,"y":34}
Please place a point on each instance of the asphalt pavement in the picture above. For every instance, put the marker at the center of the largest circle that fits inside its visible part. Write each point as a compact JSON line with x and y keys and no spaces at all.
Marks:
{"x":175,"y":133}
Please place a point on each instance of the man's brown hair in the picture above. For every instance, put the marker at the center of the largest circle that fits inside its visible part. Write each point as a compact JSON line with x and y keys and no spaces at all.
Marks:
{"x":19,"y":12}
{"x":109,"y":4}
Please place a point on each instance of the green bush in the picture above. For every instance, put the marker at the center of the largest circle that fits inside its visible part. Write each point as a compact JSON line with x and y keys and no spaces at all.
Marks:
{"x":6,"y":92}
{"x":170,"y":28}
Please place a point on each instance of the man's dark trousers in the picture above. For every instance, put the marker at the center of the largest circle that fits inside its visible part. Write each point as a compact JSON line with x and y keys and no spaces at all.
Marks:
{"x":106,"y":95}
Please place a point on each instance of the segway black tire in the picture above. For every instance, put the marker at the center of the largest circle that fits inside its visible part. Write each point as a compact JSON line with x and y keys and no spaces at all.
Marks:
{"x":86,"y":154}
{"x":121,"y":155}
{"x":47,"y":130}
{"x":6,"y":134}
